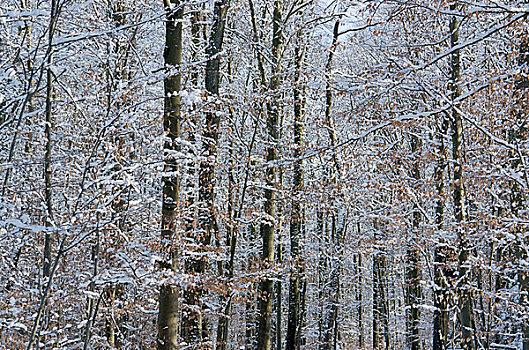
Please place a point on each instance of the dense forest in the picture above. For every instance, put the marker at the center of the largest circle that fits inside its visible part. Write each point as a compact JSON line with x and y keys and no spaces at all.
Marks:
{"x":264,"y":174}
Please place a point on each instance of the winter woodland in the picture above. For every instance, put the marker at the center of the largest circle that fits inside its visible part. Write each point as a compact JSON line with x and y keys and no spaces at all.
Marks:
{"x":264,"y":174}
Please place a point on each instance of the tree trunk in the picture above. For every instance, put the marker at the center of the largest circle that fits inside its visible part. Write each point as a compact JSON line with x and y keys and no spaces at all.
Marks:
{"x":279,"y":295}
{"x":519,"y":135}
{"x":442,"y":252}
{"x":330,"y":315}
{"x":231,"y":243}
{"x":280,"y":277}
{"x":381,"y":335}
{"x":323,"y":267}
{"x":48,"y":129}
{"x":359,"y":296}
{"x":269,"y":221}
{"x":413,"y":297}
{"x":377,"y":339}
{"x":463,"y":290}
{"x":49,"y":144}
{"x":168,"y":299}
{"x":297,"y":219}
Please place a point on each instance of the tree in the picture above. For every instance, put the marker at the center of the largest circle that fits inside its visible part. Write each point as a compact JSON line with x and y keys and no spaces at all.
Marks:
{"x":464,"y":292}
{"x":169,"y":294}
{"x":443,"y":253}
{"x":268,"y":225}
{"x":293,"y":337}
{"x":518,"y":135}
{"x":413,"y":256}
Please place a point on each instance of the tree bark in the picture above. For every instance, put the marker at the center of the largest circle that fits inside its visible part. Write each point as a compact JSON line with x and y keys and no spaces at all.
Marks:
{"x":377,"y":339}
{"x":359,"y":297}
{"x":518,"y":197}
{"x":49,"y":143}
{"x":268,"y":224}
{"x":297,"y":220}
{"x":231,"y":244}
{"x":48,"y":129}
{"x":413,"y":297}
{"x":442,"y":252}
{"x":463,"y":290}
{"x":279,"y":295}
{"x":330,"y":316}
{"x":167,"y":338}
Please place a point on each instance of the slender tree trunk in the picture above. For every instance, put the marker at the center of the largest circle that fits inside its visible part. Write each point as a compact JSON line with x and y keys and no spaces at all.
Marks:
{"x":329,"y":95}
{"x":48,"y":130}
{"x":359,"y":297}
{"x":323,"y":267}
{"x":413,"y":297}
{"x":272,"y":155}
{"x":380,"y":327}
{"x":330,"y":314}
{"x":92,"y":308}
{"x":280,"y":277}
{"x":279,"y":296}
{"x":463,"y":290}
{"x":441,"y":253}
{"x":377,"y":339}
{"x":330,"y":317}
{"x":231,"y":243}
{"x":302,"y":316}
{"x":385,"y":300}
{"x":167,"y":338}
{"x":31,"y":106}
{"x":297,"y":219}
{"x":222,"y":327}
{"x":518,"y":197}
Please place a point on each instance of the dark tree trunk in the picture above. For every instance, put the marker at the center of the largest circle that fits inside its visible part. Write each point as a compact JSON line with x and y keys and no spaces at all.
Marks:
{"x":168,"y":299}
{"x":330,"y":312}
{"x":442,"y":252}
{"x":413,"y":297}
{"x":463,"y":290}
{"x":48,"y":130}
{"x":359,"y":295}
{"x":297,"y":219}
{"x":377,"y":339}
{"x":268,"y":224}
{"x":49,"y":144}
{"x":518,"y":197}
